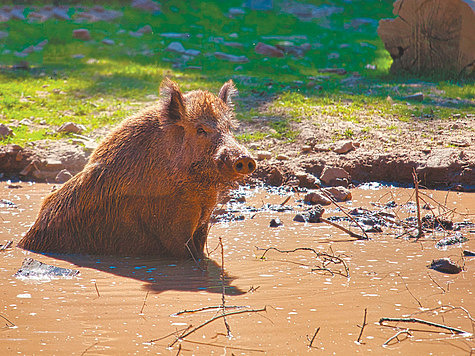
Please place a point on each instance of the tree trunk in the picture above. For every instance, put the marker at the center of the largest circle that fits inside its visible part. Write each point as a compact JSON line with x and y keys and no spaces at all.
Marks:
{"x":431,"y":36}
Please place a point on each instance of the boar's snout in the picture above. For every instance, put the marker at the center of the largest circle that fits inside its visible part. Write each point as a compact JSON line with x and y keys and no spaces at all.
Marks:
{"x":244,"y":165}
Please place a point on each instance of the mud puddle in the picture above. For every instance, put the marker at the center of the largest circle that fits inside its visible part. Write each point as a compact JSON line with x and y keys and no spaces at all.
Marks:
{"x":132,"y":306}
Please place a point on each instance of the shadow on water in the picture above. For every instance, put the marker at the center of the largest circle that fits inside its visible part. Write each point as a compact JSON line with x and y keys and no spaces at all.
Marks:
{"x":160,"y":274}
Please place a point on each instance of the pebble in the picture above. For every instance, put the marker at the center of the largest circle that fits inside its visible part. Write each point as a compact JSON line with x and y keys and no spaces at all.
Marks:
{"x":415,"y":97}
{"x":82,"y":34}
{"x":268,"y":50}
{"x":107,"y":41}
{"x":276,"y":223}
{"x":5,"y":131}
{"x":330,"y":174}
{"x":339,"y":193}
{"x":343,"y":147}
{"x":230,"y":57}
{"x":262,"y":155}
{"x":317,"y":197}
{"x":145,"y":29}
{"x":282,"y":157}
{"x":71,"y":127}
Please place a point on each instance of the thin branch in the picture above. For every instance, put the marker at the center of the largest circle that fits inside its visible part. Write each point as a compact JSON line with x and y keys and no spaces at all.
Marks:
{"x":419,"y":221}
{"x":6,"y":245}
{"x":11,"y":324}
{"x":412,"y":295}
{"x":286,"y":200}
{"x":362,"y":326}
{"x":396,"y":336}
{"x":173,"y":333}
{"x":420,"y":321}
{"x":144,"y":300}
{"x":313,"y":338}
{"x":437,"y":284}
{"x":97,"y":290}
{"x":183,"y":335}
{"x":190,"y":311}
{"x":223,"y":291}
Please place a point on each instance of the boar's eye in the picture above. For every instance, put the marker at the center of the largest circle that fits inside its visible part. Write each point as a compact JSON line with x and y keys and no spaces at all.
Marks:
{"x":201,"y":131}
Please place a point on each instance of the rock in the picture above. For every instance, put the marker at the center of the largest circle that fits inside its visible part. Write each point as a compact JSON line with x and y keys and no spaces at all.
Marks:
{"x":299,"y":218}
{"x":339,"y":71}
{"x":445,"y":265}
{"x":233,"y":44}
{"x":146,"y":29}
{"x":282,"y":157}
{"x":36,"y":270}
{"x":259,"y":4}
{"x":175,"y":35}
{"x":276,"y":223}
{"x":459,"y":142}
{"x":312,"y":216}
{"x":468,"y":253}
{"x":192,"y":52}
{"x":331,"y":174}
{"x":5,"y":131}
{"x":307,"y":180}
{"x":176,"y":47}
{"x":306,"y":149}
{"x":147,"y":5}
{"x":82,"y":34}
{"x":342,"y":147}
{"x":71,"y":127}
{"x":108,"y":42}
{"x":275,"y":178}
{"x":415,"y":97}
{"x":454,"y":239}
{"x":339,"y":193}
{"x":231,"y":58}
{"x":315,"y":198}
{"x":268,"y":50}
{"x":63,"y":176}
{"x":61,"y":13}
{"x":298,"y":51}
{"x":262,"y":155}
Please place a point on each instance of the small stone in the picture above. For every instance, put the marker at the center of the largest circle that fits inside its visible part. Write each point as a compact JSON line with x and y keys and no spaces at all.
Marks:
{"x":63,"y":176}
{"x":175,"y":35}
{"x":5,"y":131}
{"x":146,"y":5}
{"x":299,"y":218}
{"x":146,"y":29}
{"x":312,"y":216}
{"x":71,"y":127}
{"x":231,"y":58}
{"x":315,"y":198}
{"x":459,"y":142}
{"x":82,"y":34}
{"x":468,"y":253}
{"x":275,"y":178}
{"x":306,"y":148}
{"x":307,"y":180}
{"x":108,"y":42}
{"x":268,"y":50}
{"x":339,"y":71}
{"x":282,"y":157}
{"x":192,"y":52}
{"x":262,"y":155}
{"x":339,"y":193}
{"x":445,"y":265}
{"x":343,"y":147}
{"x":276,"y":223}
{"x":330,"y":174}
{"x":415,"y":97}
{"x":176,"y":47}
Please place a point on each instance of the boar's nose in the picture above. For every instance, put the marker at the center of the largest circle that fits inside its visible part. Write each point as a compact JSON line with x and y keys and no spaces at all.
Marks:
{"x":244,"y":165}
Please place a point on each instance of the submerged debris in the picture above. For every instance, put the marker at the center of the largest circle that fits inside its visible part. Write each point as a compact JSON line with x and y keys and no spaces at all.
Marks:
{"x":276,"y":223}
{"x":456,"y":238}
{"x":445,"y":265}
{"x":311,"y":216}
{"x":33,"y":269}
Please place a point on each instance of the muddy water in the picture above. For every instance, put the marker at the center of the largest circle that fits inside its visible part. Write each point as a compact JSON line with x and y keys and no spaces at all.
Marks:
{"x":119,"y":305}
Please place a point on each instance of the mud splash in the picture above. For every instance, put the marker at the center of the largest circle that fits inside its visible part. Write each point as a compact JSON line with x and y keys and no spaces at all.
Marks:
{"x":131,"y":305}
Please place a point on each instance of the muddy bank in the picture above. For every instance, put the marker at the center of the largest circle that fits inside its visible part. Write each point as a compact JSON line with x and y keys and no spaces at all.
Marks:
{"x":447,"y":168}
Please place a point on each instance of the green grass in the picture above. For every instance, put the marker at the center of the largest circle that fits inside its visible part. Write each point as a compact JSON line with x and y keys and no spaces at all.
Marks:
{"x":112,"y":81}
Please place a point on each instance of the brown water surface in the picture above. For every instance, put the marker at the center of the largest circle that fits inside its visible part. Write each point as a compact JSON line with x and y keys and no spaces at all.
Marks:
{"x":118,"y":305}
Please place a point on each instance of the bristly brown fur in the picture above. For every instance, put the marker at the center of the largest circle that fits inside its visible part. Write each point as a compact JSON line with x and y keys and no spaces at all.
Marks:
{"x":150,"y":186}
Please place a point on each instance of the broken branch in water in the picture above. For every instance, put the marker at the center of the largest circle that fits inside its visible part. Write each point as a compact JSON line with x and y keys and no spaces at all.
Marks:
{"x":144,"y":300}
{"x":419,"y":220}
{"x":327,"y":258}
{"x":223,"y":291}
{"x":11,"y":324}
{"x":420,"y":321}
{"x":185,"y":334}
{"x":190,"y":311}
{"x":396,"y":336}
{"x":313,"y":338}
{"x":352,"y":234}
{"x":8,"y":244}
{"x":362,"y":326}
{"x":97,"y":290}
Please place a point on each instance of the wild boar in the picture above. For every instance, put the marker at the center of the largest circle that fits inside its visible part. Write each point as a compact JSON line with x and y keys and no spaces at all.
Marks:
{"x":151,"y":185}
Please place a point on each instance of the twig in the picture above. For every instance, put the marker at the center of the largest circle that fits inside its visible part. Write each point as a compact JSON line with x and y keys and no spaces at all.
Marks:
{"x":97,"y":290}
{"x":285,"y":201}
{"x":173,"y":333}
{"x":420,"y":321}
{"x":11,"y":324}
{"x":313,"y":338}
{"x":437,"y":284}
{"x":179,"y":350}
{"x":185,"y":334}
{"x":332,"y":199}
{"x":189,"y":311}
{"x":89,"y":347}
{"x":396,"y":336}
{"x":407,"y":288}
{"x":327,"y":258}
{"x":362,"y":326}
{"x":223,"y":291}
{"x":144,"y":300}
{"x":419,"y":221}
{"x":352,"y":234}
{"x":7,"y":245}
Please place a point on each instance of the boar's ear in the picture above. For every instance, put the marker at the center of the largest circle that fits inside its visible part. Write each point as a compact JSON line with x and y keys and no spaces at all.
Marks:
{"x":227,"y":91}
{"x":172,"y":99}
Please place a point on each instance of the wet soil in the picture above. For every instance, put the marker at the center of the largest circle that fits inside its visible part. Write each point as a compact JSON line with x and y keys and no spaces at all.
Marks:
{"x":129,"y":305}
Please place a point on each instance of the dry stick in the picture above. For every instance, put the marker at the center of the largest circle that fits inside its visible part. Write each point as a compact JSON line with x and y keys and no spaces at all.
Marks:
{"x":352,"y":234}
{"x":362,"y":326}
{"x":313,"y":338}
{"x":97,"y":290}
{"x":441,"y":308}
{"x":332,"y":199}
{"x":453,"y":211}
{"x":179,"y":350}
{"x":185,"y":334}
{"x":419,"y":221}
{"x":144,"y":300}
{"x":223,"y":299}
{"x":327,"y":257}
{"x":173,"y":333}
{"x":89,"y":347}
{"x":420,"y":321}
{"x":189,"y":311}
{"x":7,"y":245}
{"x":285,"y":201}
{"x":407,"y":288}
{"x":437,"y":284}
{"x":10,"y":326}
{"x":396,"y":336}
